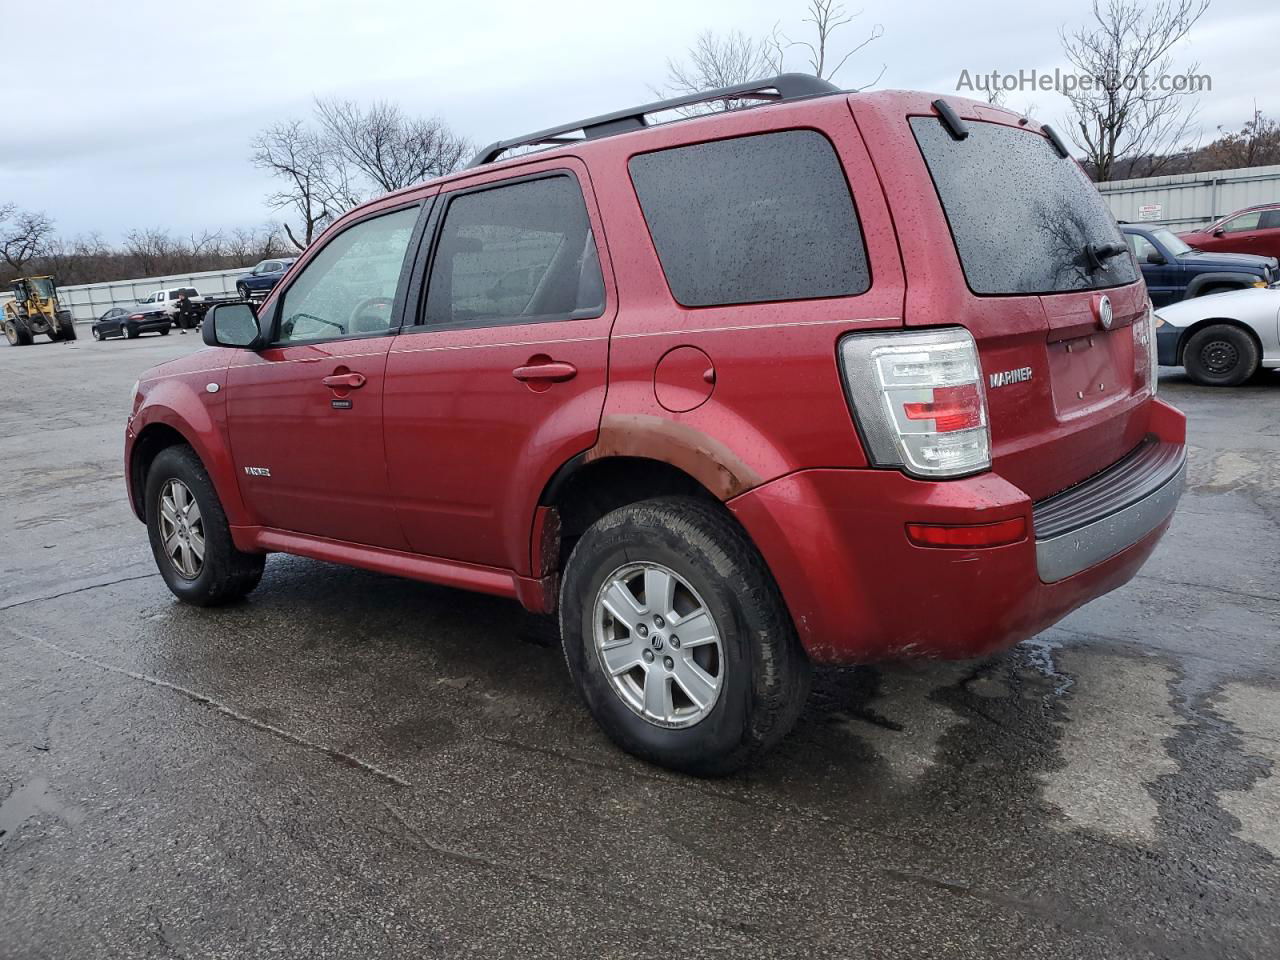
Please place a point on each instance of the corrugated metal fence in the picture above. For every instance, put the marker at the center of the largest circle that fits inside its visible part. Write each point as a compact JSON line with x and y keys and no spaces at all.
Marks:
{"x":1191,"y":199}
{"x":89,"y":301}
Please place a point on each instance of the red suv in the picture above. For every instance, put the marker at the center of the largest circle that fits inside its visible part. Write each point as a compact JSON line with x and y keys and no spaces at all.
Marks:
{"x":834,"y":379}
{"x":1251,"y":230}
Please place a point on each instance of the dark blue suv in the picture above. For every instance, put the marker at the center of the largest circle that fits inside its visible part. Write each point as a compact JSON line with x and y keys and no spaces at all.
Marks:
{"x":263,"y":277}
{"x":1175,"y":271}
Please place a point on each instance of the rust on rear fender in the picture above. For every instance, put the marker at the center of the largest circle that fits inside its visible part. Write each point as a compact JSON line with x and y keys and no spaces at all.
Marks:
{"x":704,"y":458}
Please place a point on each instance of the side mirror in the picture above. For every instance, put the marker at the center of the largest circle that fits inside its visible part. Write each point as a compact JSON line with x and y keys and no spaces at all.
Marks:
{"x":1155,"y":259}
{"x":230,"y":325}
{"x":1219,"y":232}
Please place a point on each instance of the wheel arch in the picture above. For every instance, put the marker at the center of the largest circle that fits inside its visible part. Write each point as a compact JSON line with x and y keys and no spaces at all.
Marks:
{"x":1233,"y":281}
{"x":152,"y":439}
{"x":173,"y":414}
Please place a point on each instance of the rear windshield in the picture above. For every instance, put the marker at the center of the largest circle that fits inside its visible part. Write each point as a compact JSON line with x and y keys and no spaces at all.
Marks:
{"x":1021,"y":215}
{"x":752,"y":219}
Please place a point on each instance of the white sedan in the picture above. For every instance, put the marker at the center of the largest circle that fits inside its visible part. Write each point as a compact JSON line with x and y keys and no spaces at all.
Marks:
{"x":1222,"y":339}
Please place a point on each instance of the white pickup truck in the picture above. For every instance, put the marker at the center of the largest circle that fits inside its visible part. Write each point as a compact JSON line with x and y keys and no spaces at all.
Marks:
{"x":167,"y":299}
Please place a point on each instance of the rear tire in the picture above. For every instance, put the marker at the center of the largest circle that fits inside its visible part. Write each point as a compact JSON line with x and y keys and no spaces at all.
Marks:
{"x":131,"y":332}
{"x":1221,"y":356}
{"x":197,"y":558}
{"x":721,"y":589}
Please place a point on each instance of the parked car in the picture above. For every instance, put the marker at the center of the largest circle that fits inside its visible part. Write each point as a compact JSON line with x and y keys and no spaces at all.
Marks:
{"x":775,"y":387}
{"x":1251,"y":230}
{"x":1175,"y":271}
{"x":132,"y":322}
{"x":260,"y":281}
{"x":1222,"y":340}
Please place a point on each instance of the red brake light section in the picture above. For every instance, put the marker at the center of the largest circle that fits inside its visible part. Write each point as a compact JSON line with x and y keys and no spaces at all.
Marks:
{"x":997,"y":534}
{"x":952,"y":408}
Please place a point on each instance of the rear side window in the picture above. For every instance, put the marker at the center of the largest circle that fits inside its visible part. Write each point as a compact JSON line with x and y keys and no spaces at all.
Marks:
{"x":516,"y":253}
{"x":1021,"y":216}
{"x":752,"y":219}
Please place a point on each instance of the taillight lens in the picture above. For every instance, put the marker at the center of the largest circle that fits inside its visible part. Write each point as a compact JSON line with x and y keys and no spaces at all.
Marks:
{"x":919,"y":400}
{"x":1145,"y":359}
{"x":997,"y":534}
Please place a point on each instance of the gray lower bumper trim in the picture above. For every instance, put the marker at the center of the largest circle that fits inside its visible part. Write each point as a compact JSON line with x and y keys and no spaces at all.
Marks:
{"x":1067,"y":554}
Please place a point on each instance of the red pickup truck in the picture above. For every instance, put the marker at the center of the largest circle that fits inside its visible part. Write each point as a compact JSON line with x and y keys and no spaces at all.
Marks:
{"x":833,"y":379}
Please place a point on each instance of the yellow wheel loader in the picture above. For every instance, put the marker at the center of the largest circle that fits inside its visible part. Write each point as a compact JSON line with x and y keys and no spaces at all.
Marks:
{"x":34,"y":309}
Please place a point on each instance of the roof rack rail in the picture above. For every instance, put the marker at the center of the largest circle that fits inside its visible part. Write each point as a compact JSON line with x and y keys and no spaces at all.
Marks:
{"x":786,"y":86}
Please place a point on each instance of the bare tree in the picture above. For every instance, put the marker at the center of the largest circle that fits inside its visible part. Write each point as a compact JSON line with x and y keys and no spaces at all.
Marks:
{"x":827,"y":17}
{"x":316,"y":188}
{"x":721,"y":60}
{"x":23,"y":235}
{"x":1125,"y":114}
{"x":150,"y":248}
{"x":388,"y":148}
{"x":1256,"y":144}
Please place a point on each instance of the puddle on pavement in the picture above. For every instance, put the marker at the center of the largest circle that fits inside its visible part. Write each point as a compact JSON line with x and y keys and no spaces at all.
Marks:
{"x":29,"y":800}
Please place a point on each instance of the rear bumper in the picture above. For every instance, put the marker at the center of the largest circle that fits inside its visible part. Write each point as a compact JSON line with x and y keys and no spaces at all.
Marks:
{"x":858,"y":590}
{"x":1110,"y":512}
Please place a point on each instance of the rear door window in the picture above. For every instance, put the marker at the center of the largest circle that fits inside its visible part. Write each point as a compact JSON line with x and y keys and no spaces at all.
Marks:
{"x":1021,"y":216}
{"x":516,"y":253}
{"x":752,"y":219}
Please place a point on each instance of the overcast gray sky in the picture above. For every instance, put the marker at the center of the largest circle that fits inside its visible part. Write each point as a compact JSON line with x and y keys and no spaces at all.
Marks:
{"x":143,"y":115}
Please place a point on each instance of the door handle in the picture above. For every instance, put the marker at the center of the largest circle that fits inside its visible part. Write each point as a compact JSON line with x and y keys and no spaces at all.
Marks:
{"x":347,"y":381}
{"x":553,"y":371}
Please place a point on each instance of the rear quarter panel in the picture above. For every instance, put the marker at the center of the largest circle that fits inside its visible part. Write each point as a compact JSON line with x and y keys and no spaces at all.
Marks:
{"x":777,"y":403}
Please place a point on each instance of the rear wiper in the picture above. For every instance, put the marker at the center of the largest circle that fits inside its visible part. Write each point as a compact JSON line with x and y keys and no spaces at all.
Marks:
{"x":1099,"y":253}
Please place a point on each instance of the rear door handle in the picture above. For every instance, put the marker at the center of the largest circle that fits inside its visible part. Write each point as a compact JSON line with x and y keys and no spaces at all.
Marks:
{"x":348,"y":381}
{"x":555,"y":371}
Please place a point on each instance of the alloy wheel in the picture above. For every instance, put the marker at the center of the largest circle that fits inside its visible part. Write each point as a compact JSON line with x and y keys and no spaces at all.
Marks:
{"x":181,"y":529}
{"x":658,"y":644}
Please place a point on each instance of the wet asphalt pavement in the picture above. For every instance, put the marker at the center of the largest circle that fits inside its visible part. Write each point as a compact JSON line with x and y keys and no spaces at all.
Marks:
{"x":351,"y":765}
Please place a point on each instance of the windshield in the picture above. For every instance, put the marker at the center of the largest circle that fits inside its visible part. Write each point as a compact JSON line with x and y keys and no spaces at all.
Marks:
{"x":1172,"y":242}
{"x":43,"y":287}
{"x":1022,"y":217}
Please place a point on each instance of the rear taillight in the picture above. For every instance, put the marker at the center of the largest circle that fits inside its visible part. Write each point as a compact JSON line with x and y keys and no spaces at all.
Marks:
{"x":919,"y":400}
{"x":1145,"y":361}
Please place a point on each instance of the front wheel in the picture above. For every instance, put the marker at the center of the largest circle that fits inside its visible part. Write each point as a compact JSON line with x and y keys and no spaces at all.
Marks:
{"x":678,"y":639}
{"x":1221,"y":356}
{"x":97,"y":334}
{"x":242,"y":291}
{"x":189,"y":534}
{"x":164,"y":332}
